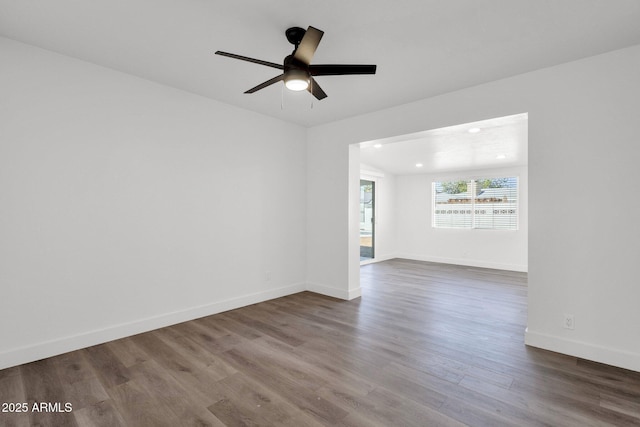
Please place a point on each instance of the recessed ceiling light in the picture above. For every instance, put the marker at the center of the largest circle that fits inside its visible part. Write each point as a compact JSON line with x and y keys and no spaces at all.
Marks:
{"x":501,"y":156}
{"x":378,"y":145}
{"x":419,"y":165}
{"x":474,"y":130}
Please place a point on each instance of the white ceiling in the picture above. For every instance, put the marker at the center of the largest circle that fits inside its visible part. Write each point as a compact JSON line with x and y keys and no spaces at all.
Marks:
{"x":422,"y":47}
{"x":495,"y":143}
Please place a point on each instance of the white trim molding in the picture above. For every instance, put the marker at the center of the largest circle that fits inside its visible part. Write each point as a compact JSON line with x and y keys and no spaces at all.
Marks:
{"x":583,"y":350}
{"x":467,"y":262}
{"x":345,"y":294}
{"x":377,"y":259}
{"x":18,"y":356}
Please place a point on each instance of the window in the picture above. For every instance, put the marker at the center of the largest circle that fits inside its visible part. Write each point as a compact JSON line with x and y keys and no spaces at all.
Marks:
{"x":489,"y":203}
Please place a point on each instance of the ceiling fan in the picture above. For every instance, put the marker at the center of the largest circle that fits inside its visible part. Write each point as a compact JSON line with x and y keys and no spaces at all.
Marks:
{"x":298,"y":72}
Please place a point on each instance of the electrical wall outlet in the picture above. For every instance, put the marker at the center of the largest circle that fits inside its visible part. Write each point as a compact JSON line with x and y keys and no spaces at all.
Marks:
{"x":569,"y":322}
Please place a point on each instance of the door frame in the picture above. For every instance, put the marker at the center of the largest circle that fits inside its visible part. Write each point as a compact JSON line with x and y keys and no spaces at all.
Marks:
{"x":372,"y":179}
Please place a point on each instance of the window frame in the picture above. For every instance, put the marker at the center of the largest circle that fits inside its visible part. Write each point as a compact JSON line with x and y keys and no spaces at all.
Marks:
{"x":469,"y":179}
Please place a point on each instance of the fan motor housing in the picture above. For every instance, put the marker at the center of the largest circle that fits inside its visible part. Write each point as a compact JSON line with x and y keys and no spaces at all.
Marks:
{"x":295,"y":69}
{"x":291,"y":63}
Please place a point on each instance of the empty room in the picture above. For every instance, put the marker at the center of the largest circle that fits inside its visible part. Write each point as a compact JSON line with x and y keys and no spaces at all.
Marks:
{"x":319,"y":213}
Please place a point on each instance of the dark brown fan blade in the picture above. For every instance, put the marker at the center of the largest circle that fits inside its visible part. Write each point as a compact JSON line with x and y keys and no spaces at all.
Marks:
{"x":339,"y":70}
{"x":315,"y":89}
{"x":265,"y":84}
{"x":255,"y":61}
{"x":308,"y":45}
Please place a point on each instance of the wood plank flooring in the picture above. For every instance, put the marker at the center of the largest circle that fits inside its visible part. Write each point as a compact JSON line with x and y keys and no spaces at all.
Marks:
{"x":426,"y":345}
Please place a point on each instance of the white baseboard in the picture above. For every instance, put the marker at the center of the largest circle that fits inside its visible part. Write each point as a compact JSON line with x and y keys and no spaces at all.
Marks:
{"x":378,"y":259}
{"x":57,"y":346}
{"x":467,"y":262}
{"x":609,"y":356}
{"x":334,"y":292}
{"x":354,"y":293}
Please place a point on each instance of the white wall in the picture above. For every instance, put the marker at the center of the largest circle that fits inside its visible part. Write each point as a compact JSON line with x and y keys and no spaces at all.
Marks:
{"x":582,"y":259}
{"x":126,"y":205}
{"x":418,"y":240}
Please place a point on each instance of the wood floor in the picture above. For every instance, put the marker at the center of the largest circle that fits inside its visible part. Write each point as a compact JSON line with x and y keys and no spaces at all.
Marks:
{"x":426,"y":345}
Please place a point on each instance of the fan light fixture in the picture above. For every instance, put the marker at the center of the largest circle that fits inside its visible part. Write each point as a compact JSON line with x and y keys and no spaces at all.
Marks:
{"x":296,"y":80}
{"x":297,"y":71}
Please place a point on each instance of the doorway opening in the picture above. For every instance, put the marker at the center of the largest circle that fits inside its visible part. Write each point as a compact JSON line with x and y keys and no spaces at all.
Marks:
{"x":485,"y":167}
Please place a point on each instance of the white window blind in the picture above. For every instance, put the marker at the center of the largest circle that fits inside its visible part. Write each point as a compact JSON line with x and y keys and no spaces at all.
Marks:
{"x":489,"y":203}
